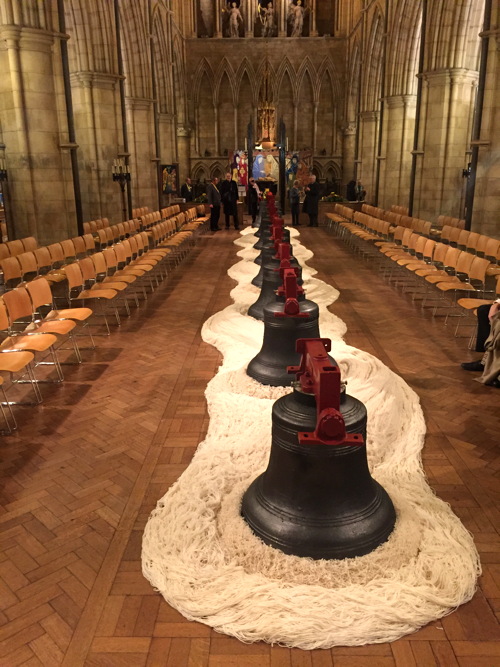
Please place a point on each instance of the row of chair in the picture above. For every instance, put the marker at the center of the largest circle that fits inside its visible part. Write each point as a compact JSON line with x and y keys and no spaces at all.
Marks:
{"x":479,"y":244}
{"x":39,"y":261}
{"x":450,"y":221}
{"x":77,"y":275}
{"x":34,"y":331}
{"x":94,"y":225}
{"x":411,"y":259}
{"x":137,"y":212}
{"x":402,"y":210}
{"x":18,"y":246}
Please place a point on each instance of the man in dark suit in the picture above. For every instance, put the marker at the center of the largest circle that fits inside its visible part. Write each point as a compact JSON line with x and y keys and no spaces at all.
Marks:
{"x":229,"y":195}
{"x":311,"y":205}
{"x":187,"y":190}
{"x":214,"y":201}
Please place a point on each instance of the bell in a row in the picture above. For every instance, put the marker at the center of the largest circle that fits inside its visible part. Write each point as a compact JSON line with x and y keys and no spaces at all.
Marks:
{"x":272,"y":281}
{"x":285,"y":322}
{"x":317,"y":497}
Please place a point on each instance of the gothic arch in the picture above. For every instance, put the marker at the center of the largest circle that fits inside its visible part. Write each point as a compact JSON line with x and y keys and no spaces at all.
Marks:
{"x":307,"y":68}
{"x":286,"y":69}
{"x":245,"y":67}
{"x":225,"y":68}
{"x":264,"y":68}
{"x":202,"y":70}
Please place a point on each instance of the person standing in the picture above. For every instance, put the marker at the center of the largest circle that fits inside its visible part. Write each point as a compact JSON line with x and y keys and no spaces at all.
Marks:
{"x":311,"y":204}
{"x":253,"y":199}
{"x":187,"y":190}
{"x":214,"y":202}
{"x":229,"y":195}
{"x":360,"y":192}
{"x":294,"y":197}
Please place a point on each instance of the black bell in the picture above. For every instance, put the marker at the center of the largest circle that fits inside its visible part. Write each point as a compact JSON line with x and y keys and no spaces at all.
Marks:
{"x":269,"y":250}
{"x":284,"y":324}
{"x":272,"y":281}
{"x":317,"y":498}
{"x":270,"y":233}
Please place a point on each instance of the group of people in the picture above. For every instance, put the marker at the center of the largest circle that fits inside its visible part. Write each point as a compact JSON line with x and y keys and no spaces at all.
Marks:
{"x":224,"y":195}
{"x":311,"y":201}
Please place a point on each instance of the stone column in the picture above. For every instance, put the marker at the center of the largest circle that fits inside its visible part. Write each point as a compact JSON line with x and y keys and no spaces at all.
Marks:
{"x":33,"y":129}
{"x":282,"y":18}
{"x":143,"y":153}
{"x":348,"y":153}
{"x":368,"y":151}
{"x":218,"y":18}
{"x":399,"y":121}
{"x":183,"y":148}
{"x":485,"y":219}
{"x":96,"y":98}
{"x":446,"y":137}
{"x":249,"y":17}
{"x":313,"y":31}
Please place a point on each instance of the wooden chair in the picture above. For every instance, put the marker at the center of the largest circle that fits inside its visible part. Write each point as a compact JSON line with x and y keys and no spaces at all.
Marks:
{"x":15,"y":247}
{"x":43,"y":305}
{"x":34,"y":342}
{"x":22,"y":319}
{"x":12,"y":273}
{"x":30,"y":243}
{"x":89,"y":243}
{"x":43,"y":260}
{"x":80,"y":247}
{"x":78,"y":294}
{"x":29,"y":266}
{"x":471,"y":304}
{"x":474,"y":283}
{"x":57,"y":255}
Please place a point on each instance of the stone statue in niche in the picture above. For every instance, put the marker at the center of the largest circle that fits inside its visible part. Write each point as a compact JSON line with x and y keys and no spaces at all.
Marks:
{"x":235,"y":19}
{"x":267,"y":15}
{"x":296,"y":13}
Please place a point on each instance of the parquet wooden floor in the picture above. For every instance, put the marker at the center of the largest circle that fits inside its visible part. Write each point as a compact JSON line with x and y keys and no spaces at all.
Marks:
{"x":80,"y":478}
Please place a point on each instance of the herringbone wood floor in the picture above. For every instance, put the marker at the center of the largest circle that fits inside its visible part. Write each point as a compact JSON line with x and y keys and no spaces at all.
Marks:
{"x":80,"y":478}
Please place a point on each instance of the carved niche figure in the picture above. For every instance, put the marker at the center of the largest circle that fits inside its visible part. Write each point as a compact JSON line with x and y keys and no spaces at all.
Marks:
{"x":267,"y":15}
{"x":296,"y":13}
{"x":235,"y":19}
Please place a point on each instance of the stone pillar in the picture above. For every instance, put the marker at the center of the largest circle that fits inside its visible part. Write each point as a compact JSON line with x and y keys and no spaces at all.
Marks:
{"x":446,"y":129}
{"x":33,"y":130}
{"x":313,"y":30}
{"x":348,"y":153}
{"x":485,"y":219}
{"x":96,"y":99}
{"x":282,"y":17}
{"x":399,"y":123}
{"x":140,"y":124}
{"x":167,"y":146}
{"x":183,"y":148}
{"x":368,"y":151}
{"x":249,"y":17}
{"x":218,"y":18}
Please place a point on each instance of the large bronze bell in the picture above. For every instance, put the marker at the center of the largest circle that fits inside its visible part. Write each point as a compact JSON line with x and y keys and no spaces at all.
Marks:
{"x":317,"y":498}
{"x":284,"y":323}
{"x":270,"y":254}
{"x":272,"y":281}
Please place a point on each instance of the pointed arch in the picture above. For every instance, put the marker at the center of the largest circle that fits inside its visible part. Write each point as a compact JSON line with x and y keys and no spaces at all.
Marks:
{"x":373,"y":59}
{"x":226,"y":70}
{"x":203,"y":70}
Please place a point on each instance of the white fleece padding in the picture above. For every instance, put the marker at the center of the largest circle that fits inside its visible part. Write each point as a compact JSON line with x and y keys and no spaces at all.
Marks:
{"x":204,"y":559}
